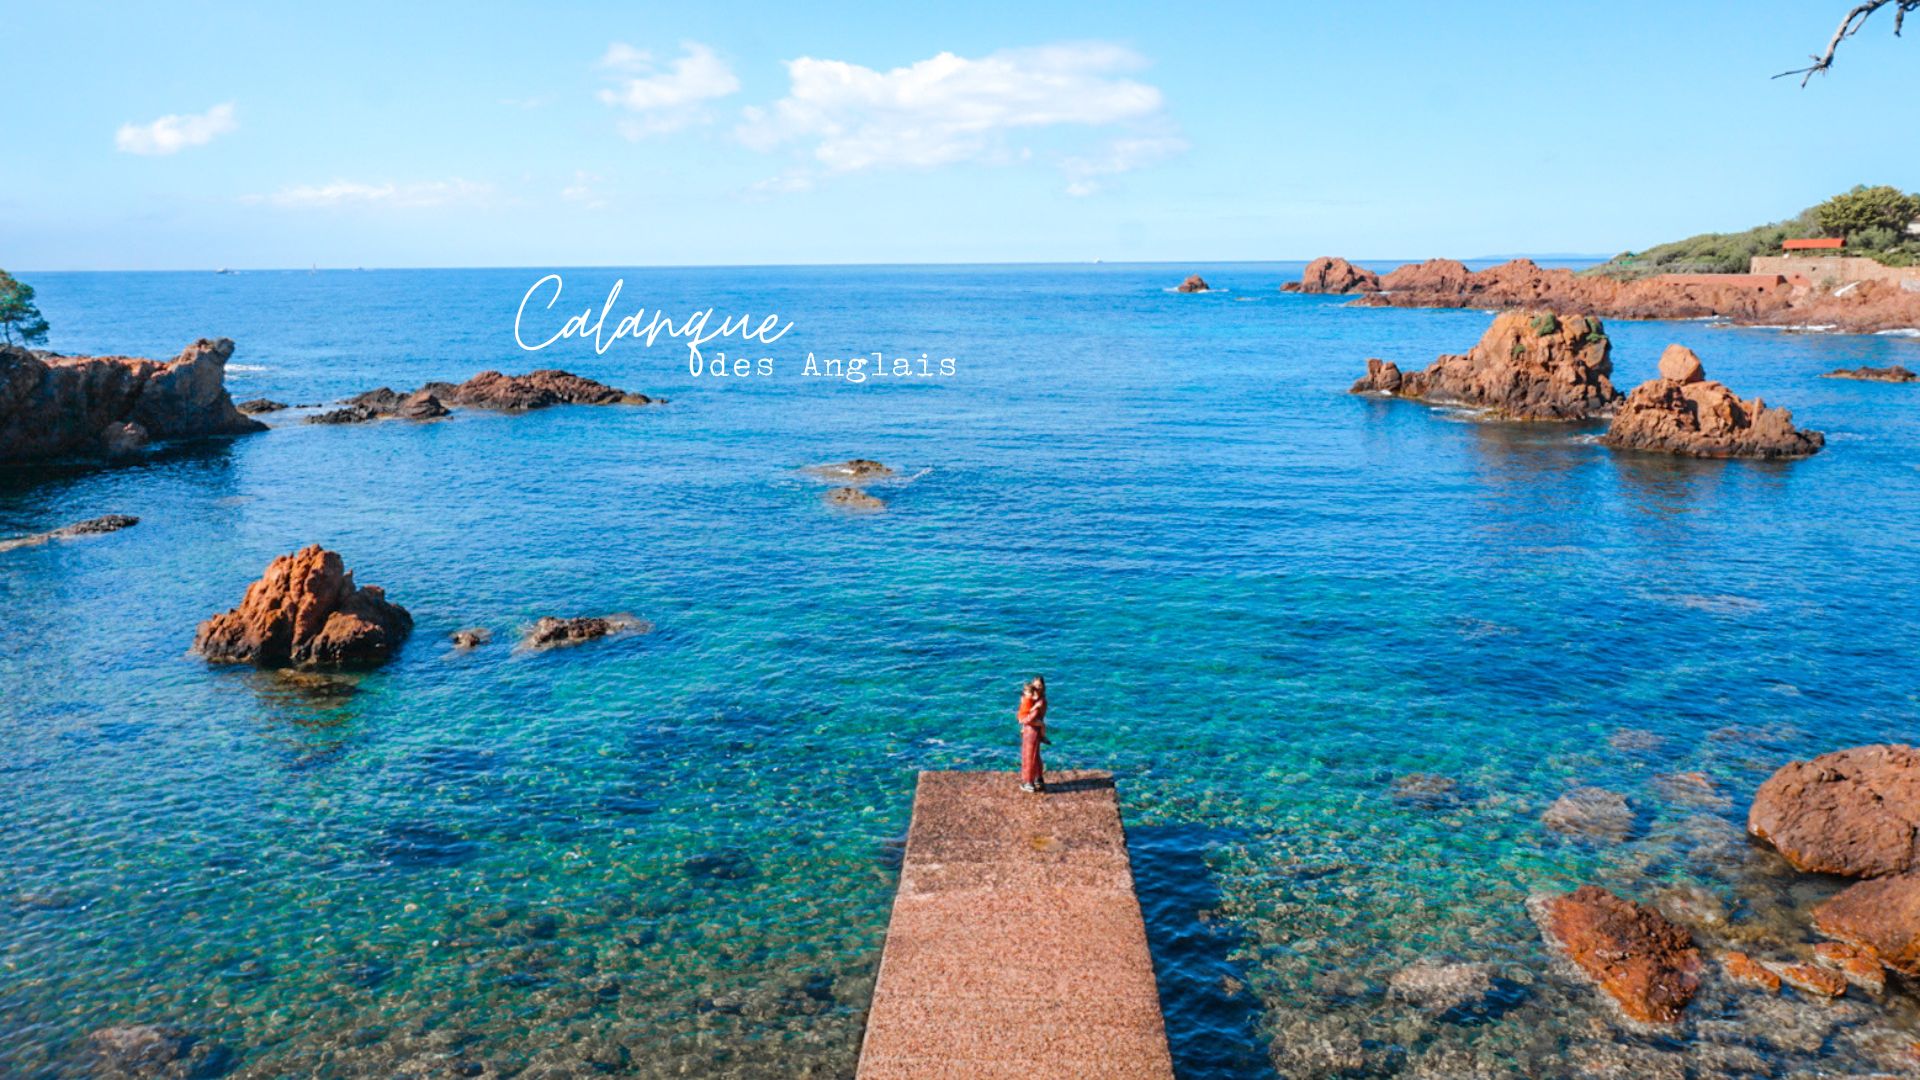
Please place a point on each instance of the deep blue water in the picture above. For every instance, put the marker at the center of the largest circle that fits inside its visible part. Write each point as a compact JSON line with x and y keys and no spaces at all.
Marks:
{"x":1256,"y":598}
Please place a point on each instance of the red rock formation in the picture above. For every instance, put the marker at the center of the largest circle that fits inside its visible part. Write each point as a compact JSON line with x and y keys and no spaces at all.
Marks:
{"x":1860,"y":967}
{"x":1647,"y":964}
{"x":1742,"y":968}
{"x":1881,"y":916}
{"x":1852,"y":812}
{"x":1865,"y":307}
{"x":534,"y":390}
{"x":1683,"y":412}
{"x":1194,"y":283}
{"x":1809,"y":979}
{"x":1334,"y":276}
{"x":305,"y":612}
{"x":53,"y":406}
{"x":1528,"y":366}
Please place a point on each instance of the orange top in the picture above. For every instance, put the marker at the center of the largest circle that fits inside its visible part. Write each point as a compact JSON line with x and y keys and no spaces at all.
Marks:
{"x":1033,"y":711}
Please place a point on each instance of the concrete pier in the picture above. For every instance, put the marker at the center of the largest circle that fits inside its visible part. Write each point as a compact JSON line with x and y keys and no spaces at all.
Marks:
{"x":1016,"y":947}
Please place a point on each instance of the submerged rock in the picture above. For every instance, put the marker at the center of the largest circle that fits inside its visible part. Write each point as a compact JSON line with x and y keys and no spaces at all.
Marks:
{"x":306,"y":612}
{"x":53,"y":406}
{"x":1645,"y":963}
{"x":1852,"y":812}
{"x":90,"y":527}
{"x":1429,"y":791}
{"x":142,"y":1050}
{"x":551,"y":632}
{"x":1592,"y":812}
{"x":472,"y":638}
{"x":1696,"y":417}
{"x":1881,"y":917}
{"x":854,"y":499}
{"x":1527,"y":366}
{"x":1194,"y":283}
{"x":1437,"y":987}
{"x":1895,"y":373}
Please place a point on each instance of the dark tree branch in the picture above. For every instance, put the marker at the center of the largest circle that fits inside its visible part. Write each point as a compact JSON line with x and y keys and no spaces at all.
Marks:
{"x":1849,"y":26}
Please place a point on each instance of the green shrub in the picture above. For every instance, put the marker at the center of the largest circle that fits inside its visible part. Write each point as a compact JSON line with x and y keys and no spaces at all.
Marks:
{"x":1545,"y":324}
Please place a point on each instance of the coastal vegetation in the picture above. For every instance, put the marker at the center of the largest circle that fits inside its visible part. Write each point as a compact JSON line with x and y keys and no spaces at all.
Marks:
{"x":20,"y":321}
{"x":1874,"y":221}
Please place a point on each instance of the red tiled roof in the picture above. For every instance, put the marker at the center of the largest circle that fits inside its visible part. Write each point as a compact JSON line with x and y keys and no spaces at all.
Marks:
{"x":1824,"y":243}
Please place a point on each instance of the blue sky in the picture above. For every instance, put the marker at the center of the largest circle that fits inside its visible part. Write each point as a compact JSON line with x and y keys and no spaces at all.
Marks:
{"x":245,"y":135}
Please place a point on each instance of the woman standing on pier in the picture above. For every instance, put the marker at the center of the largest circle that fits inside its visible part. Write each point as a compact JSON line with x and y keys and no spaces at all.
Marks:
{"x":1033,"y":734}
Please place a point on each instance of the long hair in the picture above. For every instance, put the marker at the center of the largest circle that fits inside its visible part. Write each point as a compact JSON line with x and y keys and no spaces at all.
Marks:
{"x":1036,"y":687}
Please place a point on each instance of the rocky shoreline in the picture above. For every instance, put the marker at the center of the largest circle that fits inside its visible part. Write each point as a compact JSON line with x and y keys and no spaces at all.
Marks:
{"x":54,"y":406}
{"x":1749,"y":300}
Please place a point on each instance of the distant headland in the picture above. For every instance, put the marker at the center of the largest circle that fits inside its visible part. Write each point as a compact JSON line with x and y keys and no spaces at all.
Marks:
{"x":1851,"y":264}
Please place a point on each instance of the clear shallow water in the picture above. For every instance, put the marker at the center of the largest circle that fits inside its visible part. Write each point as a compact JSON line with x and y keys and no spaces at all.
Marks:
{"x":1258,"y":599}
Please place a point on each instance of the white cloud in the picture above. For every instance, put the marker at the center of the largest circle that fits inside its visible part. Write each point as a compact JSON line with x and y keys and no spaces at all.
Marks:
{"x":948,"y":108}
{"x":173,"y":133}
{"x":1122,"y":155}
{"x":352,"y":193}
{"x":585,"y":190}
{"x":664,"y":100}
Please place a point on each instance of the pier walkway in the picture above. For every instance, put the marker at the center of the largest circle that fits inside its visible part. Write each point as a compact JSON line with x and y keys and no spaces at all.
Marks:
{"x":1016,"y":947}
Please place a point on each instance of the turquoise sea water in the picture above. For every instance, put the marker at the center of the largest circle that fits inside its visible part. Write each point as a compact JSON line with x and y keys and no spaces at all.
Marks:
{"x":1257,"y":599}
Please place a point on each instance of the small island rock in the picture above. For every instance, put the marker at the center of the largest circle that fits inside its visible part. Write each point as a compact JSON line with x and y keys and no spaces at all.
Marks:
{"x":1697,"y":417}
{"x":255,"y":406}
{"x":1333,"y":276}
{"x":1852,"y":812}
{"x":91,"y":527}
{"x":534,"y":390}
{"x":306,"y":612}
{"x":854,"y":499}
{"x":1194,"y":283}
{"x":1527,"y":366}
{"x":1645,"y":963}
{"x":1895,"y":373}
{"x":472,"y":638}
{"x":551,"y":632}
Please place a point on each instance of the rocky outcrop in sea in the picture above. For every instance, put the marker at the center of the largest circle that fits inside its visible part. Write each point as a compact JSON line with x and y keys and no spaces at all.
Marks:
{"x":1683,"y":412}
{"x":1644,"y":962}
{"x":1894,"y":373}
{"x":551,"y":632}
{"x":487,"y":390}
{"x":1853,"y":812}
{"x":1334,"y":277}
{"x":1194,"y":283}
{"x":91,"y":527}
{"x":111,"y":406}
{"x":306,"y":612}
{"x":1527,"y":366}
{"x":1863,"y":307}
